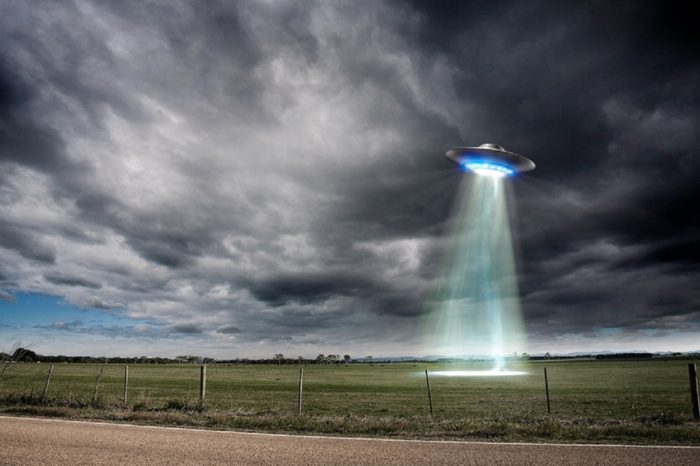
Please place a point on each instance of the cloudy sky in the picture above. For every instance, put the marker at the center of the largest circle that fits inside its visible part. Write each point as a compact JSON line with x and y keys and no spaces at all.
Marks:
{"x":244,"y":178}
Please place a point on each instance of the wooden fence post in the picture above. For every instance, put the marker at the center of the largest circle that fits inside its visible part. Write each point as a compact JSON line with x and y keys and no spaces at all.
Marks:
{"x":430,"y":394}
{"x":46,"y":384}
{"x":202,"y":381}
{"x":126,"y":384}
{"x":299,"y":391}
{"x":546,"y":391}
{"x":98,"y":378}
{"x":693,"y":375}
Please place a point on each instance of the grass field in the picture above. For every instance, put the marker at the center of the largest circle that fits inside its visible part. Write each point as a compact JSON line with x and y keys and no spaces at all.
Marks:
{"x":638,"y":401}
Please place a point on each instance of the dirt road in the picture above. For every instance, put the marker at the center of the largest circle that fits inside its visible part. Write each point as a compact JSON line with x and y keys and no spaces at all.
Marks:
{"x":40,"y":441}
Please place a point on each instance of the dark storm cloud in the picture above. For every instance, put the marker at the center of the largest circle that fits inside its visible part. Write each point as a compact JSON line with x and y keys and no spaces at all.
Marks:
{"x":681,"y":256}
{"x":228,"y":330}
{"x":26,"y":243}
{"x":371,"y":292}
{"x":280,"y":166}
{"x":70,"y":280}
{"x":308,"y":288}
{"x":189,"y":329}
{"x":163,"y":242}
{"x":22,"y":140}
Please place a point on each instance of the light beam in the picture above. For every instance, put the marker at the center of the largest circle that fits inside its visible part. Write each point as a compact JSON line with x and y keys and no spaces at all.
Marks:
{"x":475,"y":312}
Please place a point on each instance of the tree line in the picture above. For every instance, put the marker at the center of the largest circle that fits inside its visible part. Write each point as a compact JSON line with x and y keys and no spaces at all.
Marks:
{"x":27,"y":355}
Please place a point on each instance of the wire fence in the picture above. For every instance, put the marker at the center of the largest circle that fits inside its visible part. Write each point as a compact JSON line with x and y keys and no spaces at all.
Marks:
{"x":574,"y":390}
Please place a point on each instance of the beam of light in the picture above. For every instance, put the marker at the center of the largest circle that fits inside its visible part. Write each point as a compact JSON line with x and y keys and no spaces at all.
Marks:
{"x":475,"y":310}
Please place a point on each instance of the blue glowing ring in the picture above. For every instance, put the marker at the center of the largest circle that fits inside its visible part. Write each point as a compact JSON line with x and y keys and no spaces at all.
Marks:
{"x":490,"y":157}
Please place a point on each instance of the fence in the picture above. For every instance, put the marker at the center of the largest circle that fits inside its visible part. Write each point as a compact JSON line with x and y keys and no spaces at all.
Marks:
{"x":594,"y":389}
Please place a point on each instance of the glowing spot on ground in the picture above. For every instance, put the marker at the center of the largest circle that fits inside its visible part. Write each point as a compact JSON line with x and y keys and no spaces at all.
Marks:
{"x":482,"y":373}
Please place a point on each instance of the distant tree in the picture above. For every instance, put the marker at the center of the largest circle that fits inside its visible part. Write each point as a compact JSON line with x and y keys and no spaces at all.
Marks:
{"x":368,"y":359}
{"x":346,"y":358}
{"x":547,"y":355}
{"x":24,"y":355}
{"x":332,"y":358}
{"x":279,"y":357}
{"x":321,"y":358}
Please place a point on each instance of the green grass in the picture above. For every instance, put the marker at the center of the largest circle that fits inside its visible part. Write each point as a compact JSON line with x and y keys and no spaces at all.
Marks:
{"x":602,"y":401}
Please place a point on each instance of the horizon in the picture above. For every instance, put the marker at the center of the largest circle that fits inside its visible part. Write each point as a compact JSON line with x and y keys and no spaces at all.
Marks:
{"x":339,"y":358}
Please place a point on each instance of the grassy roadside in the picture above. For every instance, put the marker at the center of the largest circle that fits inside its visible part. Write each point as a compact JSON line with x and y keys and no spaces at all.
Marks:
{"x":524,"y":429}
{"x":636,"y":402}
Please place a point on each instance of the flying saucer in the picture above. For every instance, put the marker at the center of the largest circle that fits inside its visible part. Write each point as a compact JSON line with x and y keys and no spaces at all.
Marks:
{"x":490,"y":160}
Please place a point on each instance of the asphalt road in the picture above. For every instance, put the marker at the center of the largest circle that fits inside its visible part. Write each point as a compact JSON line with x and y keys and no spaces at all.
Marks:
{"x":43,"y":441}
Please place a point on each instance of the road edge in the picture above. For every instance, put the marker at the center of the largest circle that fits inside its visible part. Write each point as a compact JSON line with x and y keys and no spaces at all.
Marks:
{"x":314,"y":436}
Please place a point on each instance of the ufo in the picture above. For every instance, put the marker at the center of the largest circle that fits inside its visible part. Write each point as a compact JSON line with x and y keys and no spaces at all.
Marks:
{"x":490,"y":160}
